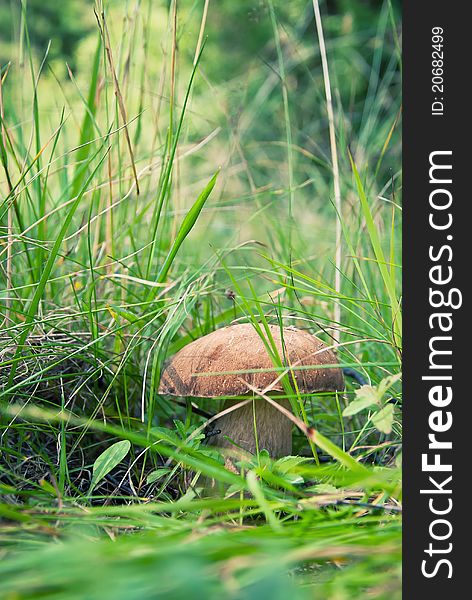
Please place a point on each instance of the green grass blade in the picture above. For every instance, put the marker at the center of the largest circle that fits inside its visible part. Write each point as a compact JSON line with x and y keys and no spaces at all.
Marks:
{"x":186,"y":227}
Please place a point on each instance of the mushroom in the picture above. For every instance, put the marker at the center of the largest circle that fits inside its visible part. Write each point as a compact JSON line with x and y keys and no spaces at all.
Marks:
{"x":206,"y":368}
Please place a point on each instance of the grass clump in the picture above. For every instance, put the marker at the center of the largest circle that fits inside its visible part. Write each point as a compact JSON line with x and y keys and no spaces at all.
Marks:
{"x":149,"y":196}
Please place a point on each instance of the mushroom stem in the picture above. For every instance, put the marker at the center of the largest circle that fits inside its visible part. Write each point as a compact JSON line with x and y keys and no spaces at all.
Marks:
{"x":239,"y":428}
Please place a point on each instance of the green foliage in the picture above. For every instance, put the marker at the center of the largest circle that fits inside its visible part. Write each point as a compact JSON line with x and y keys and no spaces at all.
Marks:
{"x":104,"y":483}
{"x":368,"y":396}
{"x":108,"y":460}
{"x":64,"y":23}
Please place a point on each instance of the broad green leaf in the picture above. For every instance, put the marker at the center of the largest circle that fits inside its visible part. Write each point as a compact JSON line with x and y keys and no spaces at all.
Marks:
{"x":157,"y":474}
{"x":387,"y":383}
{"x":287,"y":463}
{"x":108,"y":460}
{"x":366,"y":396}
{"x":384,"y":418}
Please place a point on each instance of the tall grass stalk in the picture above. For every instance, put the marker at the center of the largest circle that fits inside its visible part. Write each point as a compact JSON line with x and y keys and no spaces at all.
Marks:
{"x":334,"y":160}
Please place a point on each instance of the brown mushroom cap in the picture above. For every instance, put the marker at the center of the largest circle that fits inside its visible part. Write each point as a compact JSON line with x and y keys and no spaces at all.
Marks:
{"x":239,"y":348}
